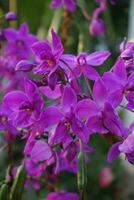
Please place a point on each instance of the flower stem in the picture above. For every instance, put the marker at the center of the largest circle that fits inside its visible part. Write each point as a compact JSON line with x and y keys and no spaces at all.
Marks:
{"x":126,"y":108}
{"x":81,"y":176}
{"x":67,"y":16}
{"x":13,"y":8}
{"x":70,"y":71}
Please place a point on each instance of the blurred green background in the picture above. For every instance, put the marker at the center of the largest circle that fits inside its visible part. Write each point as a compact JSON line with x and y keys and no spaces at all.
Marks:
{"x":41,"y":18}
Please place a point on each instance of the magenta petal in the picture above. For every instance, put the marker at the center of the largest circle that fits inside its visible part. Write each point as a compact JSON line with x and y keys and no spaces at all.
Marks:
{"x":56,"y":4}
{"x":97,"y":26}
{"x":113,"y":152}
{"x":21,"y":119}
{"x":23,"y":30}
{"x":10,"y":34}
{"x":60,"y":135}
{"x":111,"y":81}
{"x":115,"y":98}
{"x":128,"y":145}
{"x":11,"y":16}
{"x":120,"y":71}
{"x":113,"y":122}
{"x":14,"y":99}
{"x":29,"y":145}
{"x":71,"y":60}
{"x":97,"y":58}
{"x":130,"y":81}
{"x":30,"y":89}
{"x":130,"y":105}
{"x":90,"y":73}
{"x":99,"y":92}
{"x":130,"y":98}
{"x":24,"y":65}
{"x":69,"y":99}
{"x":41,"y":68}
{"x":70,"y":5}
{"x":38,"y":105}
{"x":52,"y":116}
{"x":40,"y":152}
{"x":86,"y":108}
{"x":52,"y":80}
{"x":95,"y":125}
{"x":51,"y":94}
{"x":56,"y":43}
{"x":39,"y":47}
{"x":80,"y":129}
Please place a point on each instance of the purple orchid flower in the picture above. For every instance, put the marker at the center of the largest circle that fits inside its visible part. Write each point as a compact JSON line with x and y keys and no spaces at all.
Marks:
{"x":40,"y":151}
{"x":127,"y":54}
{"x":85,"y":63}
{"x":25,"y":107}
{"x":97,"y":26}
{"x":68,"y":156}
{"x":48,"y":56}
{"x":19,"y":42}
{"x":99,"y":112}
{"x":34,"y":169}
{"x":11,"y":16}
{"x":69,"y":4}
{"x":69,"y":125}
{"x":125,"y":146}
{"x":52,"y":94}
{"x":130,"y":99}
{"x":5,"y":125}
{"x":117,"y":80}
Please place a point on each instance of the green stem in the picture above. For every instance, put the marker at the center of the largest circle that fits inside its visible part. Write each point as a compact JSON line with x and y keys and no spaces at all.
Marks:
{"x":13,"y":8}
{"x":81,"y":176}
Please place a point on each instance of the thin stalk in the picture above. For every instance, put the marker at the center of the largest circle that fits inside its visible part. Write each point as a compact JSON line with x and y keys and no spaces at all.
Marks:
{"x":86,"y":15}
{"x":13,"y":8}
{"x":81,"y":175}
{"x":126,"y":108}
{"x":67,"y":19}
{"x":70,"y":70}
{"x":89,"y":87}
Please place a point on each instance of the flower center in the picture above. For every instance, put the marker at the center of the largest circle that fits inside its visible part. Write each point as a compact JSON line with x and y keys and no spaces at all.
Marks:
{"x":50,"y":62}
{"x":27,"y":107}
{"x":49,"y":59}
{"x":81,"y":59}
{"x":3,"y":119}
{"x":67,"y":124}
{"x":20,"y":43}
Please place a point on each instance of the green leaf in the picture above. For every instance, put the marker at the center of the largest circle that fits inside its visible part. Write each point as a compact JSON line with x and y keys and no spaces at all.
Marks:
{"x":18,"y":184}
{"x":4,"y":191}
{"x":81,"y":4}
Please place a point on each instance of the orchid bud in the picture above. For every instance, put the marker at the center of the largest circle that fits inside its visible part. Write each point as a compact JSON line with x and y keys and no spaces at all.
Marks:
{"x":97,"y":27}
{"x":24,"y":65}
{"x":105,"y":177}
{"x":10,"y":16}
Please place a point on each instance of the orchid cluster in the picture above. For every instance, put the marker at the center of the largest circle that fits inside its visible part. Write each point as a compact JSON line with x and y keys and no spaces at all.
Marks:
{"x":46,"y":105}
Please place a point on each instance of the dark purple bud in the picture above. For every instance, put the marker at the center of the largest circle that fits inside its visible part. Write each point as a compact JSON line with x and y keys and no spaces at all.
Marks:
{"x":24,"y":65}
{"x":11,"y":16}
{"x":97,"y":27}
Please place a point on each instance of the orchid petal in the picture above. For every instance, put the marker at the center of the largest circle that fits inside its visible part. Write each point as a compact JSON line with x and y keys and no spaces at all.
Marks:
{"x":97,"y":58}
